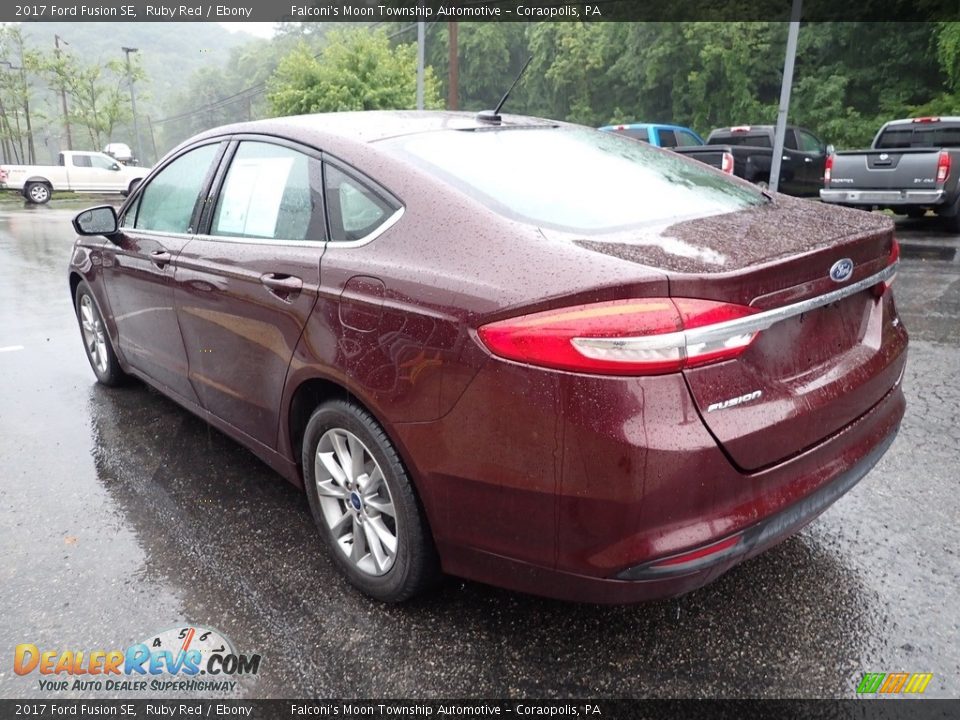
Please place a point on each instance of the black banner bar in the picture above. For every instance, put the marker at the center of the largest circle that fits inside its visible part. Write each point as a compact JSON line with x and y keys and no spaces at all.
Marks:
{"x":379,"y":11}
{"x":896,"y":709}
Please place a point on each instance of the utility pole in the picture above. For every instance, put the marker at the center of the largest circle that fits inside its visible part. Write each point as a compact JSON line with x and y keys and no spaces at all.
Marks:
{"x":453,"y":84}
{"x":133,"y":102}
{"x":781,"y":130}
{"x":63,"y":93}
{"x":421,"y":37}
{"x":26,"y":108}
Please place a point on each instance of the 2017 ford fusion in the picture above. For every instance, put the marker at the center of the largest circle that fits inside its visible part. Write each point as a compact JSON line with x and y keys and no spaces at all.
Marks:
{"x":519,"y":351}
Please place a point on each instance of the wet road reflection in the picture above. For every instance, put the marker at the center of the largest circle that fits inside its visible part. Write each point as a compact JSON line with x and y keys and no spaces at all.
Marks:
{"x":121,"y":515}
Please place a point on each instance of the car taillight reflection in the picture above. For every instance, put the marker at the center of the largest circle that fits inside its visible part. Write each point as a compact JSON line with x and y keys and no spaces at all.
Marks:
{"x":644,"y":336}
{"x":880,"y":288}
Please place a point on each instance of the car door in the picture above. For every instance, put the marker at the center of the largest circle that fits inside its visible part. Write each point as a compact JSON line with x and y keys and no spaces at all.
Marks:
{"x":813,"y":153}
{"x":247,"y":285}
{"x":791,"y":166}
{"x":80,"y":174}
{"x":105,"y":174}
{"x":139,"y":266}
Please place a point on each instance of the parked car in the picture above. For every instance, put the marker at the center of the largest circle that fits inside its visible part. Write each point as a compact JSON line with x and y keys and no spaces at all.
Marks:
{"x":679,"y":139}
{"x":475,"y":360}
{"x":76,"y":171}
{"x":912,"y":166}
{"x":801,"y":165}
{"x":120,"y":152}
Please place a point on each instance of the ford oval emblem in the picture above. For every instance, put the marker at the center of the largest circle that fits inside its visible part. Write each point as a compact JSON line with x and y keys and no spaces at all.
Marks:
{"x":841,"y":270}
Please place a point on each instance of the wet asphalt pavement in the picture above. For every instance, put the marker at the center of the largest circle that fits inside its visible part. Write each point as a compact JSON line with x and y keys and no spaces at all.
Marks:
{"x":122,"y":515}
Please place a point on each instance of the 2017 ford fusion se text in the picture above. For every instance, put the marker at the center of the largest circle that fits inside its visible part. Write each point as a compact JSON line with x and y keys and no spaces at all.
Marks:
{"x":518,"y":351}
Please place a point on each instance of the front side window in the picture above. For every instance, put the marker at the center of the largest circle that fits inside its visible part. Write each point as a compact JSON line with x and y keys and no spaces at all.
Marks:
{"x":687,"y":139}
{"x":271,"y":192}
{"x":167,"y":203}
{"x":808,"y":143}
{"x":104,"y":163}
{"x":81,"y":161}
{"x":354,"y":208}
{"x":573,"y":179}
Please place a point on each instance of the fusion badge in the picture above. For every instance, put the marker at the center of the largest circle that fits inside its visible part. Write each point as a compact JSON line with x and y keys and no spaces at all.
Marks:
{"x":724,"y":404}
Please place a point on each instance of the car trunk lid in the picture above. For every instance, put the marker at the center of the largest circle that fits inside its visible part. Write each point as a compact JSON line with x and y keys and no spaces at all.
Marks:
{"x":809,"y":373}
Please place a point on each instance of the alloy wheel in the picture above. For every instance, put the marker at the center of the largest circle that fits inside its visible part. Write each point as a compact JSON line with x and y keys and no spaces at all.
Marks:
{"x":94,"y":337}
{"x":356,"y":502}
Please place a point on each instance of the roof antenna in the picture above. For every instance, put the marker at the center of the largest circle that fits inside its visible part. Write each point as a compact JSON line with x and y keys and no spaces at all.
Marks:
{"x":493,"y":116}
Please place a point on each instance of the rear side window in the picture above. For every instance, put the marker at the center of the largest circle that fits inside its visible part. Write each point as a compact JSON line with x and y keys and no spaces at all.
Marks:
{"x":354,"y":208}
{"x":270,"y":192}
{"x":573,"y":179}
{"x":750,"y":139}
{"x":635,"y":133}
{"x":668,"y":138}
{"x":81,"y":161}
{"x":168,"y":201}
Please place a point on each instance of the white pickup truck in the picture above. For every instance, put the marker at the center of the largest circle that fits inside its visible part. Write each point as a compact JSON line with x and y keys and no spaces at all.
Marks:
{"x":83,"y":172}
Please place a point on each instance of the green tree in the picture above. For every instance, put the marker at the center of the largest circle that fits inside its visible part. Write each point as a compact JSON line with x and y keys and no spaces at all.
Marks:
{"x":98,"y":94}
{"x":356,"y":70}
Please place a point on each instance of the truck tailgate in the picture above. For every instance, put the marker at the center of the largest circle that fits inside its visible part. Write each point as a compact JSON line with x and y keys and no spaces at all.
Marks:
{"x":902,"y":169}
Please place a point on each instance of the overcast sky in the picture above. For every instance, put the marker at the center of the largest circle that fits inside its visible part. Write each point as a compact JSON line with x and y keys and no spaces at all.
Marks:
{"x":260,"y":29}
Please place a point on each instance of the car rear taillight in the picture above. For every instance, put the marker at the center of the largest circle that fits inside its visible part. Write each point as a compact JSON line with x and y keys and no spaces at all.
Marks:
{"x":943,"y":166}
{"x":726,"y":163}
{"x":827,"y":169}
{"x":644,"y":336}
{"x":880,"y":288}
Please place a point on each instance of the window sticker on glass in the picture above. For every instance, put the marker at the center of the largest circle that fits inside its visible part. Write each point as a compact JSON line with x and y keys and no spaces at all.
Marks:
{"x":250,"y":201}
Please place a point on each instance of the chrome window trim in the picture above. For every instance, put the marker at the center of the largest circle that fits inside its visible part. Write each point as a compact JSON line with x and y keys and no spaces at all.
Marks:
{"x":382,"y":228}
{"x":370,"y":237}
{"x":740,"y":326}
{"x":283,"y":242}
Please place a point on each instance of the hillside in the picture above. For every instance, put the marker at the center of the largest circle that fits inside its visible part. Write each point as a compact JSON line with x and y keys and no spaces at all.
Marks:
{"x":170,"y":52}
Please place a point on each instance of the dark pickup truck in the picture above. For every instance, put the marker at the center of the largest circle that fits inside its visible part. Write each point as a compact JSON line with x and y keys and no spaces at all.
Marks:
{"x":802,"y":163}
{"x":912,"y":166}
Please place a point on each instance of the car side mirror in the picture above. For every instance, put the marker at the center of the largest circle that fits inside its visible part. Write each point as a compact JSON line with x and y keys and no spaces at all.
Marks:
{"x":115,"y":166}
{"x":100,"y":220}
{"x":830,"y":150}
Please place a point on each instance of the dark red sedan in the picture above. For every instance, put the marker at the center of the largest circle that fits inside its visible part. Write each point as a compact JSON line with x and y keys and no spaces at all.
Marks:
{"x":519,"y":351}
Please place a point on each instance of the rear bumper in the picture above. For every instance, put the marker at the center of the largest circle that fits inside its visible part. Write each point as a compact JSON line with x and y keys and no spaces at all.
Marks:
{"x":644,"y":583}
{"x":883,"y":197}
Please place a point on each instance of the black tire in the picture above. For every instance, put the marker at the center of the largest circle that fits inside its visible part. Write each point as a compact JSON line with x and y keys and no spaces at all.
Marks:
{"x":37,"y":193}
{"x":414,"y":566}
{"x":102,"y":358}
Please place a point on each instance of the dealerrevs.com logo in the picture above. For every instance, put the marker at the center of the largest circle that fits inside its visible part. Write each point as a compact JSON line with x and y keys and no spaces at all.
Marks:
{"x":186,"y":659}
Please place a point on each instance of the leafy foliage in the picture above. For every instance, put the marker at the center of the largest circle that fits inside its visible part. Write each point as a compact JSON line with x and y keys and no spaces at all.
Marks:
{"x":356,"y":70}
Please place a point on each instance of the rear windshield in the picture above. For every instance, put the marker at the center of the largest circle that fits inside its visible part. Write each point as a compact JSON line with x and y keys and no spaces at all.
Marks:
{"x":919,"y":135}
{"x":750,"y":139}
{"x":635,"y":133}
{"x":574,"y":179}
